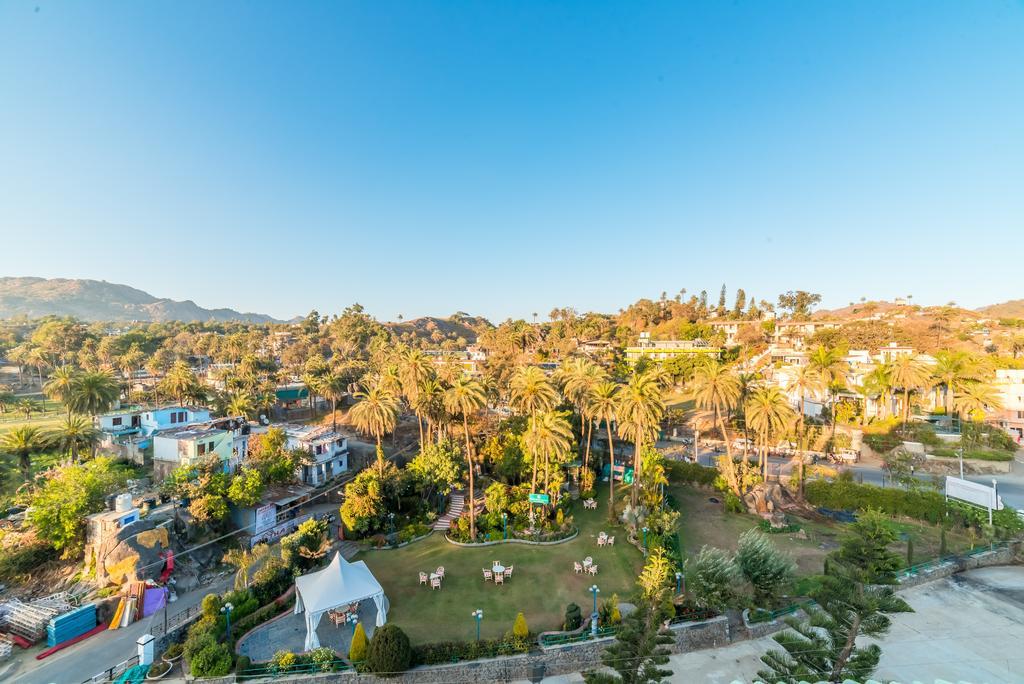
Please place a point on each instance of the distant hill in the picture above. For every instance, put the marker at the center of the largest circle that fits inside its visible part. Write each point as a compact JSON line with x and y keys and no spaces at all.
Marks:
{"x":94,"y":300}
{"x":439,"y":329}
{"x":1011,"y":309}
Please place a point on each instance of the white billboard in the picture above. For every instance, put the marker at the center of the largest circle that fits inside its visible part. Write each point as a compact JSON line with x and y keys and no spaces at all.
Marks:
{"x":973,"y":493}
{"x":266,"y":517}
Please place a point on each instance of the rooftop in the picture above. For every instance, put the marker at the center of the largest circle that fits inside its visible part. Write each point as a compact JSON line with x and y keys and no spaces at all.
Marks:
{"x":189,"y":432}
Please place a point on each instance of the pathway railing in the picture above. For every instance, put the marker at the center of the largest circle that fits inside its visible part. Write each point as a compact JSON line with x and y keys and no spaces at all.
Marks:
{"x":918,"y":568}
{"x":264,"y":671}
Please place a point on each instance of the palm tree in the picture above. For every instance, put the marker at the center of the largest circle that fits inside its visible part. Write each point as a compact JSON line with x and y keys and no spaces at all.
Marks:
{"x":60,"y":387}
{"x":831,"y":367}
{"x":603,"y":406}
{"x":430,"y":405}
{"x":465,"y":397}
{"x":94,"y":392}
{"x":717,"y":390}
{"x":953,"y":369}
{"x":179,"y":381}
{"x":376,"y":414}
{"x":768,"y":412}
{"x":910,"y":375}
{"x":74,"y":434}
{"x":976,"y":398}
{"x":640,"y":411}
{"x":131,"y":359}
{"x":807,"y":381}
{"x":414,"y":369}
{"x":530,"y":392}
{"x":244,"y":560}
{"x":333,"y":388}
{"x":28,"y":407}
{"x":6,"y":398}
{"x":550,"y":435}
{"x":241,"y":404}
{"x":578,"y":378}
{"x":23,"y":442}
{"x":879,"y":382}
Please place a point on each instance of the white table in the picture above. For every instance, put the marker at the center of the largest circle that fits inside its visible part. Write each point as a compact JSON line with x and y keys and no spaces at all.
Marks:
{"x":498,"y":569}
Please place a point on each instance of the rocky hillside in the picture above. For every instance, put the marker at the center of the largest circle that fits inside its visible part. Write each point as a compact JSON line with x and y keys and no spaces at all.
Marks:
{"x":94,"y":300}
{"x":458,"y":327}
{"x":1011,"y":309}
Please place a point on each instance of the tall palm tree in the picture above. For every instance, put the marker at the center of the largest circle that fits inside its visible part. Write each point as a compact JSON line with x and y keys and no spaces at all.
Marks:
{"x":465,"y":397}
{"x":807,"y":381}
{"x":94,"y":392}
{"x":550,"y":435}
{"x":603,"y":406}
{"x":909,"y":374}
{"x":414,"y":369}
{"x":768,"y":413}
{"x":641,"y":408}
{"x":952,"y":370}
{"x":332,"y":386}
{"x":376,"y":414}
{"x":879,"y":382}
{"x":578,"y":377}
{"x":128,"y":362}
{"x":23,"y":442}
{"x":244,"y":560}
{"x":61,"y":385}
{"x":74,"y":434}
{"x":530,"y":392}
{"x":831,"y":367}
{"x":716,"y":390}
{"x":430,"y":405}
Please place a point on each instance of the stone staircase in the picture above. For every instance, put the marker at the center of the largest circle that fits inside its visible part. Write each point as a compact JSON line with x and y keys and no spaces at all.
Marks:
{"x":455,"y":506}
{"x":348,"y":549}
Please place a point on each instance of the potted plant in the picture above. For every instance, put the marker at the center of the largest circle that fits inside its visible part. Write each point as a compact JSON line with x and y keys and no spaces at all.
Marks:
{"x":173,"y":652}
{"x":159,"y":669}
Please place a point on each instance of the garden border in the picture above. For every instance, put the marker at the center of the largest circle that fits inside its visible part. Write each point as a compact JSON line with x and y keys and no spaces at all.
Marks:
{"x":471,"y":545}
{"x":397,"y":546}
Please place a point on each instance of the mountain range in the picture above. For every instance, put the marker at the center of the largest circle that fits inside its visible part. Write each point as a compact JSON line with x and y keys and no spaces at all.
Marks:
{"x":96,"y":300}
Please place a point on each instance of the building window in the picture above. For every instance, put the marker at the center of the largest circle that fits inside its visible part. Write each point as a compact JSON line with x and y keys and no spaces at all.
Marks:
{"x":181,"y":416}
{"x":174,"y":418}
{"x":210,"y":448}
{"x":202,"y":449}
{"x":116,"y":421}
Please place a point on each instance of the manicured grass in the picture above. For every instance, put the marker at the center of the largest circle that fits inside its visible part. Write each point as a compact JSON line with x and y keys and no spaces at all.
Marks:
{"x":703,"y":522}
{"x":542,"y":584}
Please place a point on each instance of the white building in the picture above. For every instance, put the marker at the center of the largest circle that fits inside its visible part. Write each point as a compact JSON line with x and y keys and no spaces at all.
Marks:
{"x":327,"y":453}
{"x":1010,"y":385}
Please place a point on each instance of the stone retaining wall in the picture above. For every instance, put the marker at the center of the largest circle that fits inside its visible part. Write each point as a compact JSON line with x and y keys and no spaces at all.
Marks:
{"x":1001,"y":556}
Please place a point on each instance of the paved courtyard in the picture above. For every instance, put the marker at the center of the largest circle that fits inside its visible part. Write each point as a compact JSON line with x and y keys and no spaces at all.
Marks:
{"x":968,"y":628}
{"x":289,"y":634}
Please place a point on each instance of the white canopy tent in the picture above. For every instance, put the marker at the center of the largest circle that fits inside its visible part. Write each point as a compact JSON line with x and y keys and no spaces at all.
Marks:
{"x":339,"y":584}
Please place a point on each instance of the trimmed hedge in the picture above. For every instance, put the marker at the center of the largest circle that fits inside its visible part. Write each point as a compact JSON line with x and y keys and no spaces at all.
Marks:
{"x":848,"y":495}
{"x":690,"y":473}
{"x":456,"y":651}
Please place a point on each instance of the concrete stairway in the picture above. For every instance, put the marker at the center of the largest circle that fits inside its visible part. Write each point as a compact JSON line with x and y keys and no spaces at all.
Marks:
{"x":455,"y":506}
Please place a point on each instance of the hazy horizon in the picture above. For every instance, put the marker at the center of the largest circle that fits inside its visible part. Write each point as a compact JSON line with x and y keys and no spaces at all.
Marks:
{"x":508,"y":158}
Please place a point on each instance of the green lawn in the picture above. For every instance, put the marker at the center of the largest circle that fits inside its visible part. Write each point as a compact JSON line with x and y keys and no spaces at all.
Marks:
{"x":541,"y":586}
{"x":703,"y":522}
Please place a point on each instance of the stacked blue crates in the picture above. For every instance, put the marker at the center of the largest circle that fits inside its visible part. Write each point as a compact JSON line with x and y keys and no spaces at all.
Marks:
{"x":70,"y":625}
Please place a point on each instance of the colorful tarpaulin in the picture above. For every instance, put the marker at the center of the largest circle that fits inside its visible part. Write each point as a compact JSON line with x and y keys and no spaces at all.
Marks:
{"x":154,"y":599}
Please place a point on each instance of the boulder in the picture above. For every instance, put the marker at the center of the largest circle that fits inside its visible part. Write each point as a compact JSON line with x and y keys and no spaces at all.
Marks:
{"x":133,"y":554}
{"x":768,"y":498}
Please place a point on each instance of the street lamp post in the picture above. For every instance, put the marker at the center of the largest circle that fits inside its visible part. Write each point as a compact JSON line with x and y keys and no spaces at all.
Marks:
{"x":226,"y":609}
{"x":504,"y":526}
{"x":961,"y":454}
{"x":478,"y":615}
{"x":593,"y":616}
{"x":679,"y":583}
{"x":391,"y":520}
{"x":353,"y":619}
{"x":645,"y":538}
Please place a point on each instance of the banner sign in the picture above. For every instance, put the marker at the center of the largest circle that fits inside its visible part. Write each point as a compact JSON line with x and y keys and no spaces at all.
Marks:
{"x":266,"y":517}
{"x":540,"y":499}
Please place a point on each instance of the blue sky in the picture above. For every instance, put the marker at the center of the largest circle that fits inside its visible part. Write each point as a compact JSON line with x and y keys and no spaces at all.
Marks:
{"x":508,"y":157}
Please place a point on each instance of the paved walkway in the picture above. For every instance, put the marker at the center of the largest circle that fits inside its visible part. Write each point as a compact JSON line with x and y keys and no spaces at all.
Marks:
{"x":289,"y":634}
{"x":967,"y":628}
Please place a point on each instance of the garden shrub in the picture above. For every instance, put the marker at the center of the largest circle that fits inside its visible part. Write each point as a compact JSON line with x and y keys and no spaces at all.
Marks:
{"x":211,"y":605}
{"x":283,"y":660}
{"x":766,"y":568}
{"x":214,"y":660}
{"x":733,"y":503}
{"x":173,"y":651}
{"x":573,"y":617}
{"x":271,"y":580}
{"x":324,"y":658}
{"x":357,"y":649}
{"x":690,"y":473}
{"x":455,"y":651}
{"x":519,"y":628}
{"x":389,"y":653}
{"x":200,"y":636}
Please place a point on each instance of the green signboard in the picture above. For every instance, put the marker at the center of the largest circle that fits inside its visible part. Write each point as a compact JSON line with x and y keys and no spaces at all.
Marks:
{"x":540,"y":499}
